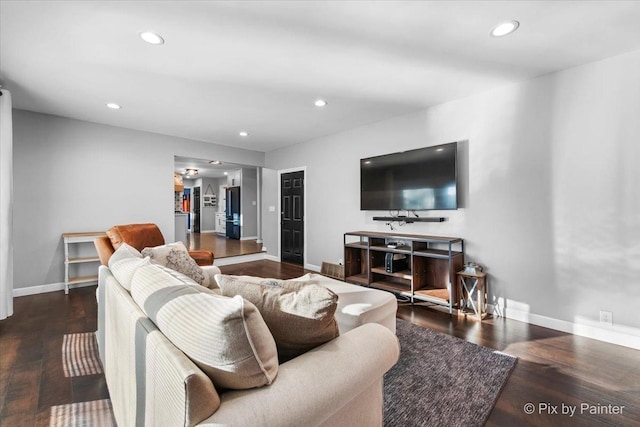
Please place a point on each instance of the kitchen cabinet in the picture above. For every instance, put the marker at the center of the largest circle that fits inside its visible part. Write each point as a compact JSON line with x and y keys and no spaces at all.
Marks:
{"x":178,"y":184}
{"x":221,"y":223}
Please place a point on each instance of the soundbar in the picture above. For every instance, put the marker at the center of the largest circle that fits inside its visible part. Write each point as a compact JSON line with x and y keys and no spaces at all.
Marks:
{"x":410,"y":219}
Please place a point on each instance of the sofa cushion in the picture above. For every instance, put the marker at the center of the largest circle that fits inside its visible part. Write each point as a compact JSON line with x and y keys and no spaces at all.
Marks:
{"x":176,"y":257}
{"x":226,"y":337}
{"x":301,"y":316}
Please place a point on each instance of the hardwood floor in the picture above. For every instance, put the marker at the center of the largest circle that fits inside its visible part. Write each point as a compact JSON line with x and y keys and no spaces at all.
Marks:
{"x":221,"y":246}
{"x":31,"y":377}
{"x":554,"y":368}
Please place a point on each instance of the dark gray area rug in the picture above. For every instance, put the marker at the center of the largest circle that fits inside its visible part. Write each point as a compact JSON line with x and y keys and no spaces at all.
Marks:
{"x":442,"y":380}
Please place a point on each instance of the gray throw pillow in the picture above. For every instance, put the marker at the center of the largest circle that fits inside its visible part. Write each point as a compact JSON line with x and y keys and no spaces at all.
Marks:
{"x":176,"y":257}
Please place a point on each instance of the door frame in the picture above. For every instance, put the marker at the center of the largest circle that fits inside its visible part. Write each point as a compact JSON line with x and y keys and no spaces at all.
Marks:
{"x":304,"y":217}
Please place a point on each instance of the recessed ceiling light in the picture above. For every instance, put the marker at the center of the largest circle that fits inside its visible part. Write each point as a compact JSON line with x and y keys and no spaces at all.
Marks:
{"x":215,"y":162}
{"x":243,"y":133}
{"x":504,"y":28}
{"x":114,"y":106}
{"x":152,"y":38}
{"x":226,"y":173}
{"x":320,"y":103}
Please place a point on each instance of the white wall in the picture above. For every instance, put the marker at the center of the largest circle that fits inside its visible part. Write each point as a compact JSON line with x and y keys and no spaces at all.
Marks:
{"x":248,"y":204}
{"x":208,"y":186}
{"x":270,"y":214}
{"x":71,"y":176}
{"x":551,"y":193}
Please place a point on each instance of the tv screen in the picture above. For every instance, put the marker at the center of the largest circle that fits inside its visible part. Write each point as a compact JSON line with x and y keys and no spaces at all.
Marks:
{"x":422,"y":179}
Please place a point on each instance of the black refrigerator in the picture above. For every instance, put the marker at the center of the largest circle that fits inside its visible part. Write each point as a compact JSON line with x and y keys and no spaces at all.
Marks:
{"x":232,"y":211}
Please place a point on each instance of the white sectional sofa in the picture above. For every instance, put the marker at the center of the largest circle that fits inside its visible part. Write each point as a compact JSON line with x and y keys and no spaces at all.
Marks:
{"x":152,"y":382}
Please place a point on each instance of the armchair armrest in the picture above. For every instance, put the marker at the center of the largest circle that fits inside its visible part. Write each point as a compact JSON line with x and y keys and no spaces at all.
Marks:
{"x":312,"y":388}
{"x":104,"y":248}
{"x":202,"y":257}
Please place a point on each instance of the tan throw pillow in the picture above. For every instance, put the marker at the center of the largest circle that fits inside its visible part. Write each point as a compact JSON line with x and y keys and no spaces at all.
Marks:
{"x":176,"y":257}
{"x":226,"y":337}
{"x":300,"y":316}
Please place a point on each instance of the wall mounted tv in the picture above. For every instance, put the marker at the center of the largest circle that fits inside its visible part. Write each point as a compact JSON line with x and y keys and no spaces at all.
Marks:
{"x":422,"y":179}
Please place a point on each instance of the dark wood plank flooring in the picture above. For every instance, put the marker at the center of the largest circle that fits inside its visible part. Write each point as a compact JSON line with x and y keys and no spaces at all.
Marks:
{"x":221,"y":246}
{"x":554,"y":368}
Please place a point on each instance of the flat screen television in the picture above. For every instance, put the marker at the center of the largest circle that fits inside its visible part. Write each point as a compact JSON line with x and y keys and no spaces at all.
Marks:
{"x":422,"y":179}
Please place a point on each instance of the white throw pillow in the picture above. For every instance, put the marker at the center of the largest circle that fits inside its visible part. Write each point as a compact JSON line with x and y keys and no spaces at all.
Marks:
{"x":124,"y":269}
{"x":226,"y":337}
{"x":123,"y":252}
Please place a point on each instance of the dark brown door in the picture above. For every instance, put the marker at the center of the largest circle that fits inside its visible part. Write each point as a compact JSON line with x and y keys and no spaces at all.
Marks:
{"x":292,"y":217}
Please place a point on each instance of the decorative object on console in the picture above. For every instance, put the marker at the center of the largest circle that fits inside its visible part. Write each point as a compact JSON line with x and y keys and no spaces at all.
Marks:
{"x":472,"y":267}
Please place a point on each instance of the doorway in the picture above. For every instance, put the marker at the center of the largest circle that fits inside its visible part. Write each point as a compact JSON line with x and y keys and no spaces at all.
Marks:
{"x":292,"y":217}
{"x":196,"y":210}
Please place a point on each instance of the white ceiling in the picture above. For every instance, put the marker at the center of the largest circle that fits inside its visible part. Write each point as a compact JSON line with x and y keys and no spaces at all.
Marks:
{"x":258,"y":66}
{"x":204,"y":168}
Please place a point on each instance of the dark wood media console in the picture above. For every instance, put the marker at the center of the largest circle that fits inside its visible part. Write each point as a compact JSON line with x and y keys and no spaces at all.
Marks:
{"x":431,"y":264}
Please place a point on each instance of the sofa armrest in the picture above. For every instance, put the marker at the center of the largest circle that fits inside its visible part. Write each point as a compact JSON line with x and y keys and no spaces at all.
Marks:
{"x":104,"y":249}
{"x":202,"y":257}
{"x":313,"y":387}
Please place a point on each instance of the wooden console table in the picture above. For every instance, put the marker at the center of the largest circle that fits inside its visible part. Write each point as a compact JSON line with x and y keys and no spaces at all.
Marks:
{"x":72,"y":257}
{"x":430,"y":271}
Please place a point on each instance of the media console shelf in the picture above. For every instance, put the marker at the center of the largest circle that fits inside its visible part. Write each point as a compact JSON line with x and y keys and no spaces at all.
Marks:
{"x":432,"y":263}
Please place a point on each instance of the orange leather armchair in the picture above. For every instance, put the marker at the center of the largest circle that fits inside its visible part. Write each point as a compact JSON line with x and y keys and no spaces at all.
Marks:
{"x":139,"y":236}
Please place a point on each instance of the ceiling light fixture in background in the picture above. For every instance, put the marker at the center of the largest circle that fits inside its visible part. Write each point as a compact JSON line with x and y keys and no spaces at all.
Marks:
{"x":243,"y":133}
{"x":191,"y":172}
{"x":320,"y":103}
{"x":152,"y":38}
{"x":504,"y":28}
{"x":113,"y":106}
{"x":215,"y":162}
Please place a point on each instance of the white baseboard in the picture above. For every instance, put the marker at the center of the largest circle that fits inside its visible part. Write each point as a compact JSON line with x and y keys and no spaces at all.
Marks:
{"x":238,"y":259}
{"x":272,"y":258}
{"x":620,"y":335}
{"x":51,"y":287}
{"x":249,"y":238}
